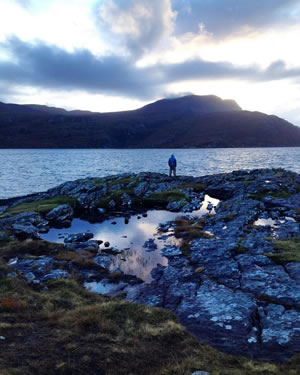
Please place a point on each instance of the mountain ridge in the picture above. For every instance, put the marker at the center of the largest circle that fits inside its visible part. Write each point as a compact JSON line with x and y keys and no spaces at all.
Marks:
{"x":185,"y":122}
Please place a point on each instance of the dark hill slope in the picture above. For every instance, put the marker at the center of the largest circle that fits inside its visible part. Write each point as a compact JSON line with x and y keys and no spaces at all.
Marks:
{"x":231,"y":129}
{"x":191,"y":104}
{"x":191,"y":121}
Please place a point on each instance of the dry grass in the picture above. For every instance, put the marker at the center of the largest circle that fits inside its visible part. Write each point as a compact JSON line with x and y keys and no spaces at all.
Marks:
{"x":69,"y":330}
{"x":189,"y":230}
{"x":82,"y":259}
{"x":12,"y":304}
{"x":287,"y":250}
{"x":29,"y":246}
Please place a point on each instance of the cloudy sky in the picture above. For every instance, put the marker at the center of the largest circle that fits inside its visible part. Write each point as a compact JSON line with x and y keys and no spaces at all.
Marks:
{"x":109,"y":55}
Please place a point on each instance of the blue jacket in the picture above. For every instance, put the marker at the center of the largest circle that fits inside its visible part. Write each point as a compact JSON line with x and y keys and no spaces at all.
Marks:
{"x":172,"y":161}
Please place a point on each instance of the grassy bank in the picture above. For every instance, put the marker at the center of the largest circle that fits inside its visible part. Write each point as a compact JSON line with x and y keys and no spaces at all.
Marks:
{"x":61,"y":328}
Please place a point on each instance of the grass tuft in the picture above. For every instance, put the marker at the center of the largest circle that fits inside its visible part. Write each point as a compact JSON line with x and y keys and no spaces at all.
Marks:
{"x":288,"y":250}
{"x":42,"y":206}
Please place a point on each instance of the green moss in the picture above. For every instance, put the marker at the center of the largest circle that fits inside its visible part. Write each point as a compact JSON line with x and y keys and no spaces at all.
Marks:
{"x":99,"y":181}
{"x":166,"y":196}
{"x":114,"y":181}
{"x":115,"y":196}
{"x":229,"y":217}
{"x":41,"y":206}
{"x":275,"y":194}
{"x":286,"y":251}
{"x":126,"y":181}
{"x":198,"y":188}
{"x":240,"y":249}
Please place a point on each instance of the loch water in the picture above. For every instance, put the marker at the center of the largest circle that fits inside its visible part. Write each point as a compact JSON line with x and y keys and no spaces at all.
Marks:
{"x":24,"y":171}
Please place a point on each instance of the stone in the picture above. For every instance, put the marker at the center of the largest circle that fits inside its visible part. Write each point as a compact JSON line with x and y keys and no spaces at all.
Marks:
{"x":150,"y":245}
{"x":103,"y":260}
{"x":176,"y":205}
{"x":112,"y":204}
{"x":280,"y":329}
{"x":170,"y":251}
{"x":60,"y":214}
{"x":23,"y":232}
{"x":126,"y":200}
{"x":56,"y":274}
{"x":78,"y":237}
{"x":90,"y":245}
{"x":141,"y":189}
{"x":3,"y":209}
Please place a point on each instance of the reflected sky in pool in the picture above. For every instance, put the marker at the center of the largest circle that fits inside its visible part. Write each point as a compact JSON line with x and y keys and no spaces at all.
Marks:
{"x":131,"y":237}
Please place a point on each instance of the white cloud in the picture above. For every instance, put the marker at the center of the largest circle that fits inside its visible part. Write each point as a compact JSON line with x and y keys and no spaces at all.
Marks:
{"x":138,"y":24}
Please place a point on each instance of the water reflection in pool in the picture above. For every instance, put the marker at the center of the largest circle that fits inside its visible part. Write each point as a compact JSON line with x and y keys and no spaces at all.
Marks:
{"x":130,"y":237}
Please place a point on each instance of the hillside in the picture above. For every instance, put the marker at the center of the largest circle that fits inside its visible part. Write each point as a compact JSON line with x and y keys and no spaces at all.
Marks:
{"x":190,"y":121}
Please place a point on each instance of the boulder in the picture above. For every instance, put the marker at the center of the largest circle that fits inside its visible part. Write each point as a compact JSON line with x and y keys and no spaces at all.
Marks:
{"x":56,"y":274}
{"x":60,"y":214}
{"x":22,"y":231}
{"x":78,"y":237}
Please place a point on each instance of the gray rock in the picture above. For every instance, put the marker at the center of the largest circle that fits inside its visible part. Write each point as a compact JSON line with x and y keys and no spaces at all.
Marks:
{"x":271,"y":282}
{"x":56,"y":274}
{"x":126,"y":200}
{"x":3,"y":209}
{"x":78,"y":237}
{"x":103,"y":260}
{"x":112,"y":204}
{"x":25,"y":231}
{"x":281,"y":329}
{"x":219,"y":316}
{"x":60,"y":214}
{"x":170,"y":251}
{"x":176,"y":206}
{"x":91,"y":246}
{"x":150,"y":245}
{"x":293,"y":269}
{"x":141,"y":189}
{"x":38,"y":266}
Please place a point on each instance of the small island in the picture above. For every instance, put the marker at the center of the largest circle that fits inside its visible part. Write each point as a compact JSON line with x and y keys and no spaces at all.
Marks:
{"x":226,"y":299}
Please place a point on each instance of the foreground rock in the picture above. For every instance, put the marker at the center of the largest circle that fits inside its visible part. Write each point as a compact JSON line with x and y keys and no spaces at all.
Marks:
{"x":232,"y":286}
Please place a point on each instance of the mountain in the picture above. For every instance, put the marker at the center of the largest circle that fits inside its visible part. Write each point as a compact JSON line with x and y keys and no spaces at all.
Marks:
{"x":189,"y":121}
{"x":192,"y":104}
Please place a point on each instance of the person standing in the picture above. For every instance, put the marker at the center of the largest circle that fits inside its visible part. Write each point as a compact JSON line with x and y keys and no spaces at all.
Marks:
{"x":172,"y":165}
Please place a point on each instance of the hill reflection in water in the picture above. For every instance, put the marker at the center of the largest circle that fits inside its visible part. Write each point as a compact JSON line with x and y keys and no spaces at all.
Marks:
{"x":130,"y":237}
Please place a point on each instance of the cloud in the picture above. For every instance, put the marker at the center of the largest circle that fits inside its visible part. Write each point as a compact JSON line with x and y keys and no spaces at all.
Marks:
{"x":279,"y":70}
{"x":224,"y":17}
{"x":198,"y":69}
{"x":24,"y":3}
{"x":138,"y":24}
{"x":50,"y":67}
{"x":42,"y":65}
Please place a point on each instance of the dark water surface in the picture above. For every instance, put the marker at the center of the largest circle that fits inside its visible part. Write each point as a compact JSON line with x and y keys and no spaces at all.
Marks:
{"x":29,"y":171}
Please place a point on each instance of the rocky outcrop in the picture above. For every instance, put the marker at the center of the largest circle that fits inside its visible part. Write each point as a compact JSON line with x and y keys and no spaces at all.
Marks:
{"x":232,"y":286}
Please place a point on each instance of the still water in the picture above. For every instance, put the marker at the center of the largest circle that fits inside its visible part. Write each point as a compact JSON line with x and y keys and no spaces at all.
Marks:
{"x":29,"y":171}
{"x":135,"y":258}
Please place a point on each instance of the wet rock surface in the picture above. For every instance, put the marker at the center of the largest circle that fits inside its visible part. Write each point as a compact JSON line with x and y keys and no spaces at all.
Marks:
{"x":228,"y":289}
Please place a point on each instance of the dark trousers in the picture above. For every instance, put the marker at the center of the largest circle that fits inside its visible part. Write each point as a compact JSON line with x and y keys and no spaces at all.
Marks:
{"x":172,"y":170}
